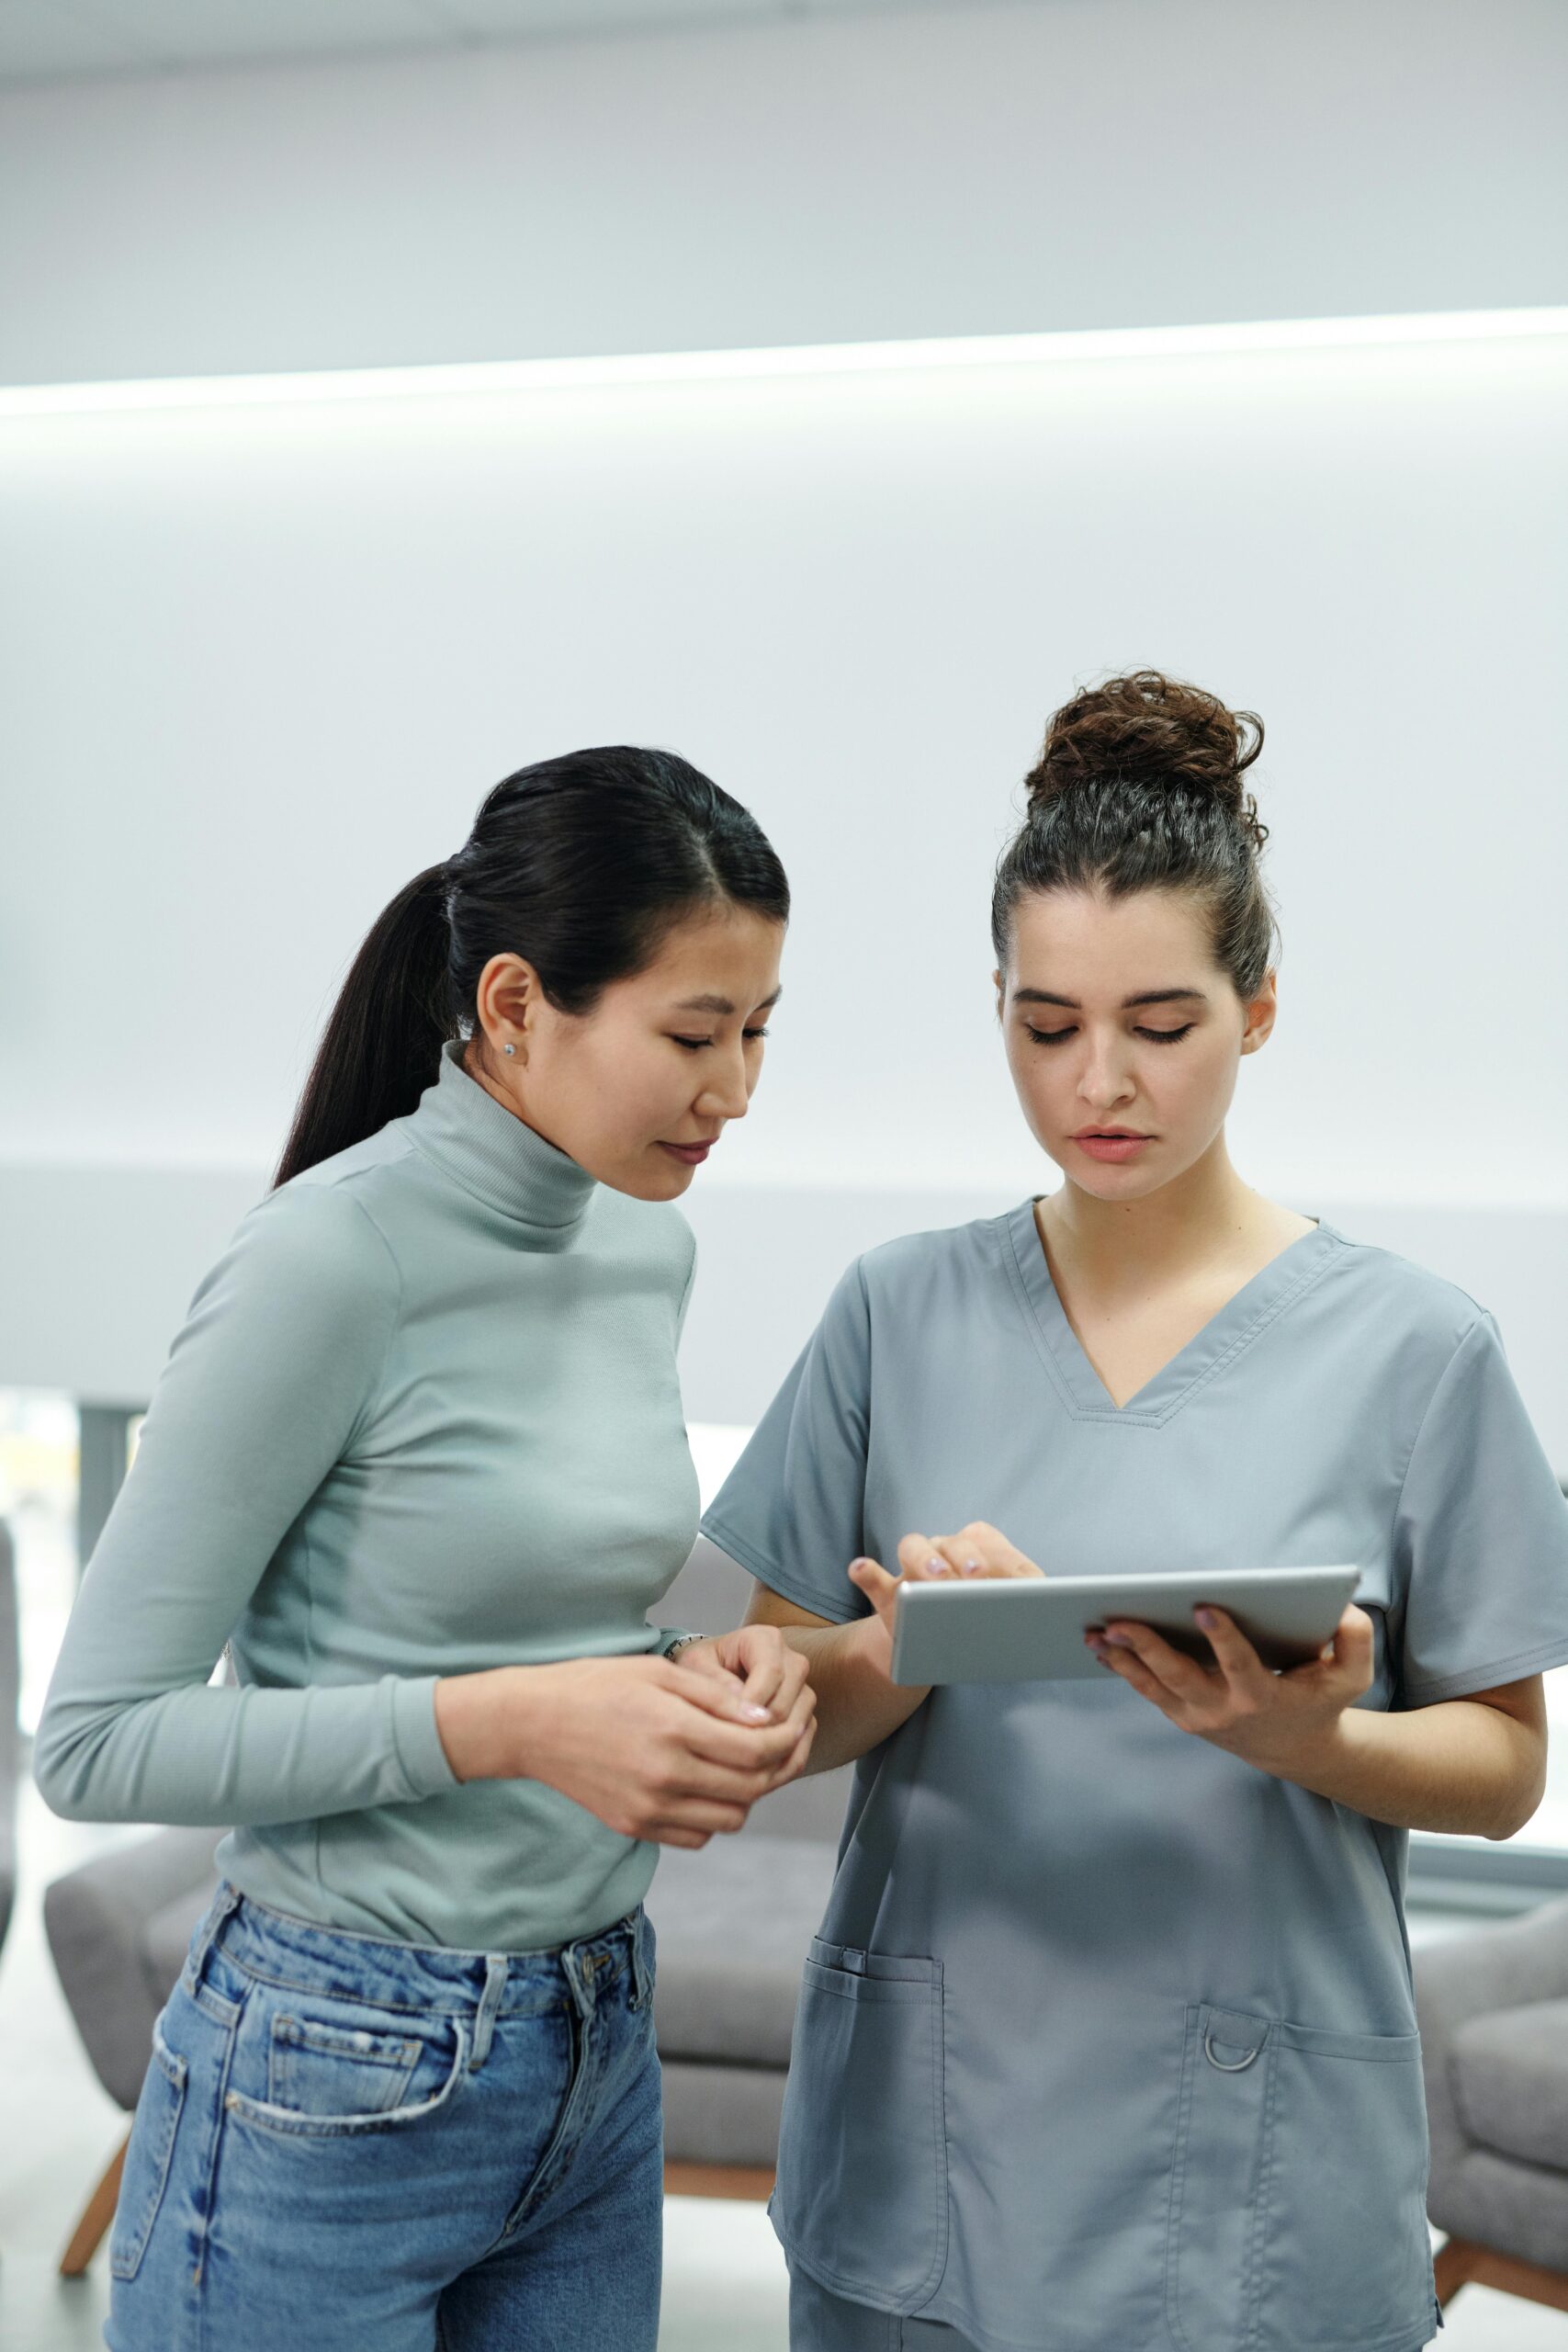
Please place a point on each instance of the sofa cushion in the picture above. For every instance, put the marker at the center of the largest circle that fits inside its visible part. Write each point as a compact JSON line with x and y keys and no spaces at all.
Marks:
{"x":721,"y":2115}
{"x":733,"y":1922}
{"x":1510,"y":2078}
{"x":169,"y":1932}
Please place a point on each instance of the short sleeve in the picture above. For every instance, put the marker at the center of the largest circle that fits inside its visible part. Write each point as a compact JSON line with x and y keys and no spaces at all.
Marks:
{"x":792,"y":1510}
{"x":1481,"y":1536}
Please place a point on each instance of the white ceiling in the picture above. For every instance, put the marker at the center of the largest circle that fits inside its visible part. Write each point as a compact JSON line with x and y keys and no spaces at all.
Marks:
{"x":52,"y":40}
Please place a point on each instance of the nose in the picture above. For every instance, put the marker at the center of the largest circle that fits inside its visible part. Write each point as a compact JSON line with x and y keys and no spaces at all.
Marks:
{"x":1103,"y":1081}
{"x":725,"y":1094}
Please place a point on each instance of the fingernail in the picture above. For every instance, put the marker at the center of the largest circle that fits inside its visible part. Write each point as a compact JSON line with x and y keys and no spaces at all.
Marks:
{"x":973,"y":1567}
{"x":938,"y":1567}
{"x":1120,"y":1641}
{"x":756,"y":1714}
{"x":1205,"y":1618}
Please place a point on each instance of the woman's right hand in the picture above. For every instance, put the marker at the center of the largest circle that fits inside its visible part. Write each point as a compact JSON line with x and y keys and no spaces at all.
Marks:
{"x":977,"y":1550}
{"x":653,"y":1750}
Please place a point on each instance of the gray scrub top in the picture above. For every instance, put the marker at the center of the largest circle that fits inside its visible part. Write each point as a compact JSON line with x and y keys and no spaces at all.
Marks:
{"x":1108,"y":2042}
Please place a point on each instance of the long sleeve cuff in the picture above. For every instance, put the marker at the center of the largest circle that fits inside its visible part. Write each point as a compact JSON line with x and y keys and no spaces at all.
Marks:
{"x":416,"y":1738}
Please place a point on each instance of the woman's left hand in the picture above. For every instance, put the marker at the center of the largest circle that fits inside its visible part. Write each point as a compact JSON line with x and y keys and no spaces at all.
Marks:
{"x":1274,"y":1721}
{"x":772,"y":1678}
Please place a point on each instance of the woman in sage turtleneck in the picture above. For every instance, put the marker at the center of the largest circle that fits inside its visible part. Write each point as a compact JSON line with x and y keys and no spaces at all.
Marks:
{"x":418,"y":1458}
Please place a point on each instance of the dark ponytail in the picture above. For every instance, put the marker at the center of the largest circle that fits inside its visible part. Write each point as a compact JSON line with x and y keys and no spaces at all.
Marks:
{"x":582,"y":864}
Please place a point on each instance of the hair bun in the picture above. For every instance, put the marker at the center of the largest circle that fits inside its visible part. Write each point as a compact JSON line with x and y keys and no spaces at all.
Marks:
{"x":1148,"y":729}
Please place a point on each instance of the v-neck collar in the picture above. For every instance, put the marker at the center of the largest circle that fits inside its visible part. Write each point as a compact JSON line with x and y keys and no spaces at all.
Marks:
{"x":1242,"y":1318}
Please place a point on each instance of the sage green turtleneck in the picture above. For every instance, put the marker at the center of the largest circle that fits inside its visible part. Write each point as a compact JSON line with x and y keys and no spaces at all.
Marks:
{"x":423,"y":1419}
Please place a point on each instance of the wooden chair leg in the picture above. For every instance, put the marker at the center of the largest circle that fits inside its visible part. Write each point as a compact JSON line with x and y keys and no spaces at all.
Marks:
{"x":97,"y":2215}
{"x":1529,"y":2280}
{"x":1454,"y":2265}
{"x":719,"y":2180}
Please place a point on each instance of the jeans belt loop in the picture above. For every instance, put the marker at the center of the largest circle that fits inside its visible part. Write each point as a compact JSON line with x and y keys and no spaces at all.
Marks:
{"x":640,"y":1987}
{"x":225,"y":1901}
{"x":580,"y":1979}
{"x":489,"y":2004}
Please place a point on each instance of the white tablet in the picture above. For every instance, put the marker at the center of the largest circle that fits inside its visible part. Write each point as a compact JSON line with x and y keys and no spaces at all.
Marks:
{"x":1029,"y":1629}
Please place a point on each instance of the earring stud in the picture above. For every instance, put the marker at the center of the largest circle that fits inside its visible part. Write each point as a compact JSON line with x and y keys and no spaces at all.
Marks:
{"x":509,"y":1049}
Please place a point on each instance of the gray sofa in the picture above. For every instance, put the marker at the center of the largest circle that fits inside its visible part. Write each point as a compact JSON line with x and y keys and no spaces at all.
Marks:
{"x":733,"y":1922}
{"x":1492,"y":2006}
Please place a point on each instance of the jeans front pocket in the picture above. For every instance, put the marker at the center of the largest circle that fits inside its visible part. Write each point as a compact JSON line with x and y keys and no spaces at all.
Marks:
{"x":1348,"y":2263}
{"x":318,"y":2069}
{"x":862,"y":2196}
{"x":148,"y":2157}
{"x":1219,"y":2178}
{"x":328,"y":2077}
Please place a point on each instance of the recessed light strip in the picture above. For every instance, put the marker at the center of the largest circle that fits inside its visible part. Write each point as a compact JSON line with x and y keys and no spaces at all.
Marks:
{"x":799,"y":360}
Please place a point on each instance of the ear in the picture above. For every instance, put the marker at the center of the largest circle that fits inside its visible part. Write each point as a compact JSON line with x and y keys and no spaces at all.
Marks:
{"x":1261,"y":1016}
{"x":1001,"y":986}
{"x":509,"y":1000}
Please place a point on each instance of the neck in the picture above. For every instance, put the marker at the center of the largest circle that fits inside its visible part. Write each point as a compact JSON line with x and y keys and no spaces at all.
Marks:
{"x":476,"y":1069}
{"x":1205,"y":1213}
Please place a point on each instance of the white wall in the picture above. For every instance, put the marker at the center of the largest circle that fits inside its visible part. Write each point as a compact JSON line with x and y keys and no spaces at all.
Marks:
{"x":1076,"y":163}
{"x":261,"y":665}
{"x":257,"y":667}
{"x":97,"y":1267}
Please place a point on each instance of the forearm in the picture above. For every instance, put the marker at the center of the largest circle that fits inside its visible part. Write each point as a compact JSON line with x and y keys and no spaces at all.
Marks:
{"x":1458,"y":1767}
{"x":857,"y":1705}
{"x":216,"y":1758}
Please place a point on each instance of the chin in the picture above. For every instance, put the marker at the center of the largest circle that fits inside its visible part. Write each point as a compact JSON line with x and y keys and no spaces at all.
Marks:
{"x":665,"y":1181}
{"x":1104,"y":1182}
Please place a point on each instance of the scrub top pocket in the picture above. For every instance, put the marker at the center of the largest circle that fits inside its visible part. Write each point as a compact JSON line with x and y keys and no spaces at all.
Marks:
{"x":1348,"y":2263}
{"x":862,"y":2196}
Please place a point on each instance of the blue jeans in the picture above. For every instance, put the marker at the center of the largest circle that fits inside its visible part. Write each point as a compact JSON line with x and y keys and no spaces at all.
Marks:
{"x":346,"y":2142}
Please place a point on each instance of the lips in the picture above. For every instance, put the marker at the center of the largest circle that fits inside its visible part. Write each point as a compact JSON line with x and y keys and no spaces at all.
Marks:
{"x":1110,"y":1143}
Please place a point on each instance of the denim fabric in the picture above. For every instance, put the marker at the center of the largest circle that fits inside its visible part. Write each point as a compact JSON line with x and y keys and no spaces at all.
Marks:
{"x":342,"y":2142}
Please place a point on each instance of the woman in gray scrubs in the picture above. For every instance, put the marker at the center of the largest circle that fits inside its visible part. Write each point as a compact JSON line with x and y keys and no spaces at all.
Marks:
{"x":1107,"y":2044}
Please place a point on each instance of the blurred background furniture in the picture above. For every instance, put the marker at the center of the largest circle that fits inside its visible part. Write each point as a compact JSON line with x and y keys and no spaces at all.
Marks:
{"x":733,"y":1921}
{"x":10,"y":1736}
{"x":1493,"y":2006}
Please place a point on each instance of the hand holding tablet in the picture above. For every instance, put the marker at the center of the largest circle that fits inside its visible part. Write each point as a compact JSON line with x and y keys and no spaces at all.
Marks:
{"x":1019,"y":1632}
{"x":973,"y":1608}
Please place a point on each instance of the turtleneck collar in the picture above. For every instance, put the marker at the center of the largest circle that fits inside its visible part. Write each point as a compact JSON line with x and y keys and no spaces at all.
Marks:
{"x":481,"y":1144}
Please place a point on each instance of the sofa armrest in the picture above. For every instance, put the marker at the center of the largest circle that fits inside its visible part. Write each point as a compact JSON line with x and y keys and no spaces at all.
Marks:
{"x":1470,"y":1974}
{"x":96,"y":1918}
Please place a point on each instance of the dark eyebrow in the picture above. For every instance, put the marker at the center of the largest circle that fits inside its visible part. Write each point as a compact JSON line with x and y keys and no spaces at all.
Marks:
{"x":721,"y":1005}
{"x":1149,"y":996}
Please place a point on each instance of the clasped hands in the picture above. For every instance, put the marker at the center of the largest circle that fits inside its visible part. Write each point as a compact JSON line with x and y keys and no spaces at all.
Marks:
{"x":675,"y":1750}
{"x":1277,"y":1721}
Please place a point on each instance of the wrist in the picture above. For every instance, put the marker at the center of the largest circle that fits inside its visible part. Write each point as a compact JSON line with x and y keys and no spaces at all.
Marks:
{"x":868,"y":1642}
{"x":1314,"y":1758}
{"x":489,"y":1724}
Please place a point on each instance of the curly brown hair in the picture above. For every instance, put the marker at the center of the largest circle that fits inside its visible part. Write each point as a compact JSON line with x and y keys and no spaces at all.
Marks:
{"x":1138,"y":786}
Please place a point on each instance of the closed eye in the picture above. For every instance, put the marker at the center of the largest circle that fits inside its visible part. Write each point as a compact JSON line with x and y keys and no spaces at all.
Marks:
{"x":695,"y":1045}
{"x":1159,"y":1037}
